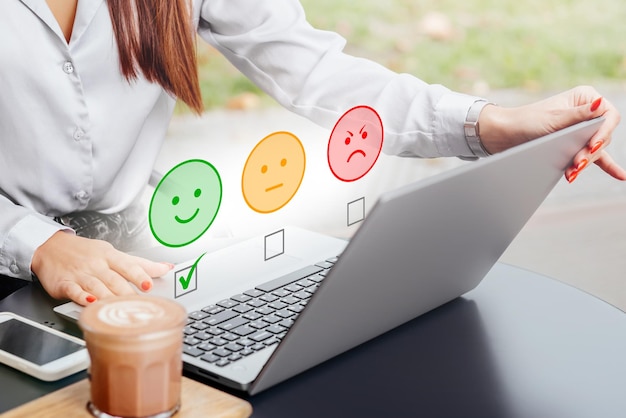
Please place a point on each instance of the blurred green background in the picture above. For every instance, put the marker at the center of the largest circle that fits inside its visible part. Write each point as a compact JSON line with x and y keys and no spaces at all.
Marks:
{"x":472,"y":46}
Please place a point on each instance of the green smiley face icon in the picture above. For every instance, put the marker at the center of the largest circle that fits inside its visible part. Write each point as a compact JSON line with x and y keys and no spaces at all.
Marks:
{"x":185,"y":203}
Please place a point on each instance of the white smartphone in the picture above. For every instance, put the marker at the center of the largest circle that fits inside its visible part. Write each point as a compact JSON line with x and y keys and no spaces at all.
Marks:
{"x":38,"y":350}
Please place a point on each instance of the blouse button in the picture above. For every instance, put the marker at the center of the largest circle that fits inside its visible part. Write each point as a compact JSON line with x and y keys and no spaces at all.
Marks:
{"x":14,"y":268}
{"x":78,"y":134}
{"x":68,"y":67}
{"x":82,"y":195}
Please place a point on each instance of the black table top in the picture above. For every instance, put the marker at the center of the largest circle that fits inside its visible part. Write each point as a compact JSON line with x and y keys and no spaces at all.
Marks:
{"x":519,"y":345}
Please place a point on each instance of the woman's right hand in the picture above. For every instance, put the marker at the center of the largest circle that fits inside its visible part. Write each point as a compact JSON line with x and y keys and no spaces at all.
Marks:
{"x":85,"y":270}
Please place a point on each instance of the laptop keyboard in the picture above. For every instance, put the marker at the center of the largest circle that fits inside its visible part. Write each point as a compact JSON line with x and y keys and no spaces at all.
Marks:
{"x":254,"y":320}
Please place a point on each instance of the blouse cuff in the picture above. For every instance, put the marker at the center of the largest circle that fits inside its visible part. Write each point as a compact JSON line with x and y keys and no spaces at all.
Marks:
{"x":22,"y":241}
{"x":448,"y":125}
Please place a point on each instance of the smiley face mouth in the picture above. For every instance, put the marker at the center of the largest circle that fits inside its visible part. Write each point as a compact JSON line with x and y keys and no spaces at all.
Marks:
{"x":354,"y":153}
{"x":185,"y":221}
{"x":274,"y":187}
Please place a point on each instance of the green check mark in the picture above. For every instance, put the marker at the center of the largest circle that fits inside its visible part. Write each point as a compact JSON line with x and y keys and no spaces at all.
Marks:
{"x":184,"y":281}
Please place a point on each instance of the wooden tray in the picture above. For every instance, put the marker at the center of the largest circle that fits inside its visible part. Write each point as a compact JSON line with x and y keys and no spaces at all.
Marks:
{"x":198,"y":400}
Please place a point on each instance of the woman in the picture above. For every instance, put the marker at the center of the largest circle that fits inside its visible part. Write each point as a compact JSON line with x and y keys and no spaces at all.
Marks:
{"x":88,"y":88}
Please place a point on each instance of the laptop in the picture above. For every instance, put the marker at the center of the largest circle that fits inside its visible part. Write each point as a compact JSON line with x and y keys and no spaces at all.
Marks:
{"x":256,"y":321}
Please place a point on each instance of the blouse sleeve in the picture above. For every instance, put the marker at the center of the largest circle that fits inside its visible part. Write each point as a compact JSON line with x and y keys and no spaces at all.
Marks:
{"x":307,"y":72}
{"x":21,"y":232}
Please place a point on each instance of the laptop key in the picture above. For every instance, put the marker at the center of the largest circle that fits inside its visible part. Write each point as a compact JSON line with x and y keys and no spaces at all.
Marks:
{"x":277,"y":305}
{"x":215,"y":331}
{"x":253,"y":293}
{"x":257,"y":303}
{"x":260,"y":336}
{"x":275,"y":329}
{"x":218,"y":341}
{"x":246,"y":351}
{"x":290,"y":300}
{"x":210,"y":358}
{"x":191,"y":341}
{"x":230,"y":337}
{"x":289,"y":278}
{"x":287,"y":323}
{"x":258,"y":347}
{"x":302,"y":295}
{"x":324,"y":264}
{"x":244,"y":330}
{"x":281,"y":292}
{"x":234,"y":357}
{"x":284,"y":314}
{"x":222,"y":362}
{"x":252,"y":316}
{"x":268,"y":297}
{"x":246,"y":342}
{"x":203,"y":336}
{"x":189,"y":330}
{"x":234,"y":347}
{"x":226,"y":303}
{"x":198,"y":315}
{"x":233,"y":323}
{"x":241,"y":298}
{"x":212,"y":309}
{"x":221,"y":352}
{"x":242,"y":309}
{"x":220,"y":317}
{"x":206,"y":347}
{"x":200,"y":326}
{"x":272,"y":319}
{"x":192,"y":351}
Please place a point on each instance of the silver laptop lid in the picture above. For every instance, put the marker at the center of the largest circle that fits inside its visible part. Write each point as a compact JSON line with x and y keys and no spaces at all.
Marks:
{"x":422,"y":246}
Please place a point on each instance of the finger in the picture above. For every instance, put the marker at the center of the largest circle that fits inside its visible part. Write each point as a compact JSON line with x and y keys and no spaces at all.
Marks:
{"x":602,"y":137}
{"x":95,"y":286}
{"x":76,"y":293}
{"x":129,"y":268}
{"x":608,"y":164}
{"x":117,"y":284}
{"x":154,"y":269}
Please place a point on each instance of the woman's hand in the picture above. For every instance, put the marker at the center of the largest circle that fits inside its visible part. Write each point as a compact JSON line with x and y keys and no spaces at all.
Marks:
{"x":85,"y":270}
{"x":502,"y":128}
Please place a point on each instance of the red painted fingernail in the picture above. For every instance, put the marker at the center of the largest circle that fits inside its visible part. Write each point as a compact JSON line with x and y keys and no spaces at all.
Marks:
{"x":91,"y":299}
{"x":596,"y":104}
{"x":573,"y":176}
{"x":582,"y":164}
{"x":146,"y":285}
{"x":597,"y":146}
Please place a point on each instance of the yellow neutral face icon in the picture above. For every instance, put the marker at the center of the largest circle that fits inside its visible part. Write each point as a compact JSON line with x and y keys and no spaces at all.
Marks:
{"x":273,"y":172}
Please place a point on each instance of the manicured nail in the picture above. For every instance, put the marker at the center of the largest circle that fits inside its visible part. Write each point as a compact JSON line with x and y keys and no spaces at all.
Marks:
{"x":595,"y":104}
{"x":596,"y":146}
{"x":582,"y":164}
{"x":90,"y":299}
{"x":146,"y":285}
{"x":573,"y":176}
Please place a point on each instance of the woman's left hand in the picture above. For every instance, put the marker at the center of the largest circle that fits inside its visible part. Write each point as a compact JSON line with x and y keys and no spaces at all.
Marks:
{"x":502,"y":128}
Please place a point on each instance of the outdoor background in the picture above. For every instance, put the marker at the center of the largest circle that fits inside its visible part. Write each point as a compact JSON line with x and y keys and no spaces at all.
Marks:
{"x":512,"y":52}
{"x":472,"y":46}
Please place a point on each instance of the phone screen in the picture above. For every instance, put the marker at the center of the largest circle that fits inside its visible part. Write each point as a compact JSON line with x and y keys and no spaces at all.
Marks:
{"x":33,"y":344}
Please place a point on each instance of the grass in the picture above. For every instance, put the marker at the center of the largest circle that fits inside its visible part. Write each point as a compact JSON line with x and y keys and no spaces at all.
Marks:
{"x":530,"y":44}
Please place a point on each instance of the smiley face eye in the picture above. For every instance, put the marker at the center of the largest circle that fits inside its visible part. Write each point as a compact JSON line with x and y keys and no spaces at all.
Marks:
{"x":264,"y":169}
{"x":197,"y":193}
{"x":364,"y":134}
{"x":175,"y":200}
{"x":283,"y":162}
{"x":347,"y":141}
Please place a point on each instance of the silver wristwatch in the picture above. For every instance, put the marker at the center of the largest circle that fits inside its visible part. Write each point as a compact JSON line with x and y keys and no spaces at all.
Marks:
{"x":472,"y":131}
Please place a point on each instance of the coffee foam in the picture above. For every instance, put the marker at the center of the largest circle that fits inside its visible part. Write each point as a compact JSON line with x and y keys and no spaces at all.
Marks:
{"x":130,"y":313}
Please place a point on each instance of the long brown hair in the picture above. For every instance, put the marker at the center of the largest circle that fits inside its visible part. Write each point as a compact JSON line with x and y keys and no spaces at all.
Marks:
{"x":155,"y":37}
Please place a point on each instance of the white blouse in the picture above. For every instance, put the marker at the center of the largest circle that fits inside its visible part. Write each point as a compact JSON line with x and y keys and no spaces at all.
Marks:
{"x":75,"y":135}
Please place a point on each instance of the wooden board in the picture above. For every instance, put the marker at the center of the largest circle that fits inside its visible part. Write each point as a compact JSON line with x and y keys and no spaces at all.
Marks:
{"x":197,"y":400}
